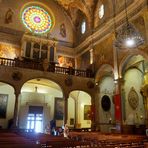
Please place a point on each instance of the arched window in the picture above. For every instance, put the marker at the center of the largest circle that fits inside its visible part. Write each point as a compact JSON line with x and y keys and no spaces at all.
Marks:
{"x":101,"y":11}
{"x":83,"y":27}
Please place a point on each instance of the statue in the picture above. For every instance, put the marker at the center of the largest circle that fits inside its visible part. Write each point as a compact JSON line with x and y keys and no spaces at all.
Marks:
{"x":63,"y":30}
{"x":8,"y":16}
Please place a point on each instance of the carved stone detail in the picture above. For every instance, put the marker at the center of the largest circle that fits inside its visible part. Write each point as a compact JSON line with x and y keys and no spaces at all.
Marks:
{"x":17,"y":75}
{"x":133,"y":98}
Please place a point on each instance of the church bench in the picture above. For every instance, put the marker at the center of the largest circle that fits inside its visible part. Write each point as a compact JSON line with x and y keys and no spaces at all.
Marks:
{"x":19,"y":146}
{"x":67,"y":143}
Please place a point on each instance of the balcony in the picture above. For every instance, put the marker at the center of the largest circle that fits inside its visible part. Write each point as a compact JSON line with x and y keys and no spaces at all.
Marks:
{"x":30,"y":64}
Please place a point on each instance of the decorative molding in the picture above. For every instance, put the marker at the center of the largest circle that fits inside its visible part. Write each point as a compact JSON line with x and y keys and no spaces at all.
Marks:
{"x":133,"y":98}
{"x":17,"y":76}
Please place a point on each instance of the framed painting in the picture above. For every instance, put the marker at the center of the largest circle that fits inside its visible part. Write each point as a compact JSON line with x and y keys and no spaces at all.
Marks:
{"x":87,"y":111}
{"x":59,"y":108}
{"x":3,"y":105}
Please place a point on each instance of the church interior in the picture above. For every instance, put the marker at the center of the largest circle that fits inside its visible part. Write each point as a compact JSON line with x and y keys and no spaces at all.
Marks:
{"x":83,"y":63}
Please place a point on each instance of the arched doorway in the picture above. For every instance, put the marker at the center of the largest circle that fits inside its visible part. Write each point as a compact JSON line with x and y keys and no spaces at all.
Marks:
{"x":79,"y":110}
{"x":41,"y":103}
{"x":7,"y":103}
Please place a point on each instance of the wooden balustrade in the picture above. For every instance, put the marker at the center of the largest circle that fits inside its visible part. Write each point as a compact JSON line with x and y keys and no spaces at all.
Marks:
{"x":36,"y":65}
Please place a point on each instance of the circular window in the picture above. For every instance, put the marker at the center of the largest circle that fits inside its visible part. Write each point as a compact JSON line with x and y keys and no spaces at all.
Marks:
{"x":36,"y":19}
{"x":106,"y":103}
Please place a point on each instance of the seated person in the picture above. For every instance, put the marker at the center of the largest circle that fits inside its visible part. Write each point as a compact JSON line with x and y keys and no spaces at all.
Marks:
{"x":66,"y":131}
{"x":60,"y":131}
{"x":47,"y":129}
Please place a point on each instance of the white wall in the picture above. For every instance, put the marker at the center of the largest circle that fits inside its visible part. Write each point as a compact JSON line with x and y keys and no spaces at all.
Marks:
{"x":106,"y":88}
{"x":134,"y":78}
{"x":81,"y":98}
{"x":7,"y":89}
{"x":71,"y":111}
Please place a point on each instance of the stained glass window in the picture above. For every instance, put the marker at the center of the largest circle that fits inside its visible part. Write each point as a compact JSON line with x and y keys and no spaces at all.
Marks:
{"x":83,"y":27}
{"x":36,"y":19}
{"x":101,"y":11}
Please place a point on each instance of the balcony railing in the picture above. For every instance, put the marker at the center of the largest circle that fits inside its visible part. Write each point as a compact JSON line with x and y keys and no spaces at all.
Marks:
{"x":30,"y":64}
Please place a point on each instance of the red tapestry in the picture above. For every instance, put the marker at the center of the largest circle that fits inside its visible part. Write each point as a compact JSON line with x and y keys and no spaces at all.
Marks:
{"x":118,"y":113}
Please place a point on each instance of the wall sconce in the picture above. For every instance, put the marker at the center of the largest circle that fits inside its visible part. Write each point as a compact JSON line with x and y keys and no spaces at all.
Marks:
{"x":110,"y":120}
{"x":97,"y":83}
{"x":141,"y":117}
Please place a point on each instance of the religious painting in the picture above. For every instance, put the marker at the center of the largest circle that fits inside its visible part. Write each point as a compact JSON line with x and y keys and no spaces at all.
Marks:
{"x":66,"y":61}
{"x":3,"y":105}
{"x":59,"y":108}
{"x":87,"y":112}
{"x":71,"y":121}
{"x":9,"y":51}
{"x":63,"y":30}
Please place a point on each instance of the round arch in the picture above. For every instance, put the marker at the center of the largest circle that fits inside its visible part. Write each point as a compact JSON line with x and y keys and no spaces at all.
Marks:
{"x":104,"y":70}
{"x":126,"y":59}
{"x":46,"y":99}
{"x":45,"y":78}
{"x":79,"y":109}
{"x":7,"y":104}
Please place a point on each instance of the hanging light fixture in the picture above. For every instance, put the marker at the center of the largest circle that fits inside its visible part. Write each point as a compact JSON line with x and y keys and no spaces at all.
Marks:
{"x":128,"y":36}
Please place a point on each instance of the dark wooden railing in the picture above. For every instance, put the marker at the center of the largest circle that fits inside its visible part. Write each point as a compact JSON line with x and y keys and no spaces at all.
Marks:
{"x":30,"y":64}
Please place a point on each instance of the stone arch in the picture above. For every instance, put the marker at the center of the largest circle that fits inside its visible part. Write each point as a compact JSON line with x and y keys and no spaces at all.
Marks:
{"x":80,"y":108}
{"x":45,"y":78}
{"x":126,"y":59}
{"x":104,"y":70}
{"x":7,"y":107}
{"x":44,"y":93}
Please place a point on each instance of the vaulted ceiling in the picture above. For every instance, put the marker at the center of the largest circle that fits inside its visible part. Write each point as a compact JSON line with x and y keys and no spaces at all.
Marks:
{"x":73,"y":8}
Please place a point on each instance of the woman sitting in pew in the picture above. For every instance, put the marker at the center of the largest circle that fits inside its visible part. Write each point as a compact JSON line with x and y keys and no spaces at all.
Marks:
{"x":66,"y":131}
{"x":47,"y":129}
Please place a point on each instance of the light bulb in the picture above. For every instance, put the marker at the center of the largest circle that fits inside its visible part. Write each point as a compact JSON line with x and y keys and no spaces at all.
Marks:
{"x":130,"y":42}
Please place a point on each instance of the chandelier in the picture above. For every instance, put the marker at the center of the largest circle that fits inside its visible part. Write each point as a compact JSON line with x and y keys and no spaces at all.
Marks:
{"x":128,"y":36}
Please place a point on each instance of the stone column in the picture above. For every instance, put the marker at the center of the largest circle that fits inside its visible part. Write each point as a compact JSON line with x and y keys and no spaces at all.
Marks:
{"x":77,"y":124}
{"x":96,"y":114}
{"x":93,"y":113}
{"x":91,"y":55}
{"x":65,"y":109}
{"x":55,"y":53}
{"x":31,"y":54}
{"x":15,"y":116}
{"x":117,"y":95}
{"x":23,"y":48}
{"x":48,"y":53}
